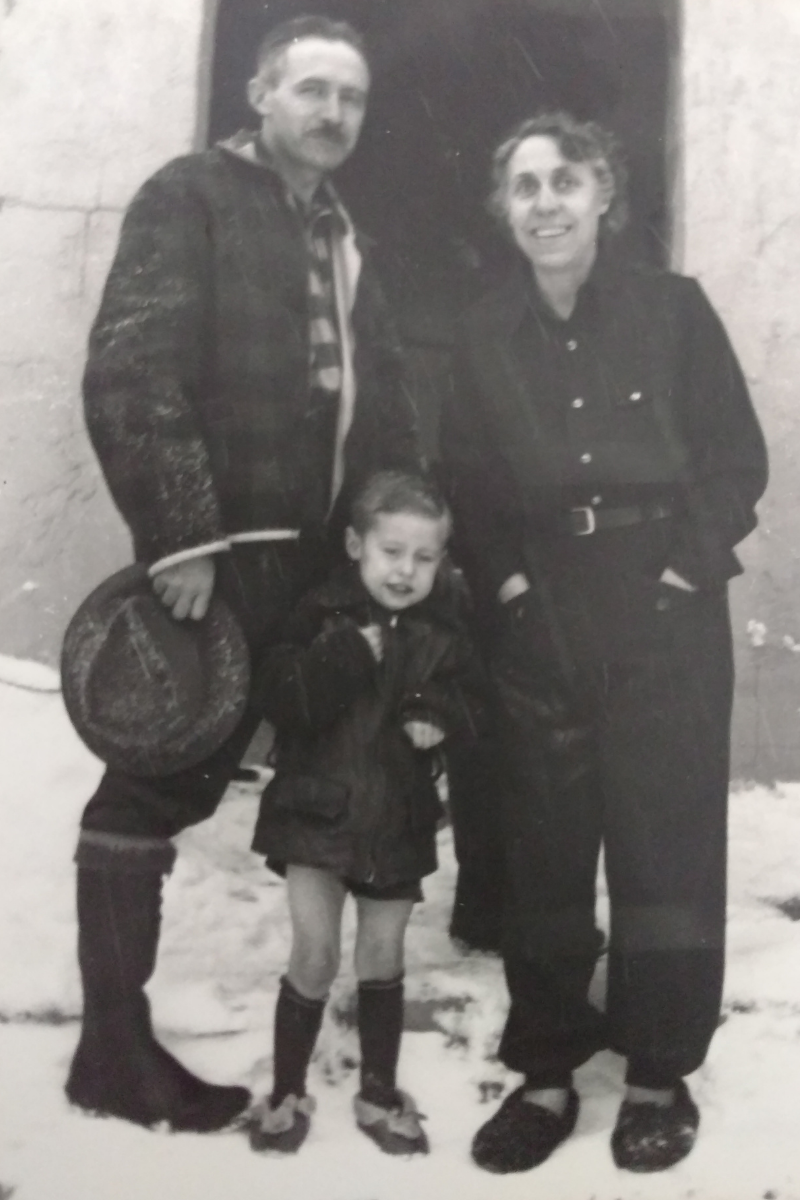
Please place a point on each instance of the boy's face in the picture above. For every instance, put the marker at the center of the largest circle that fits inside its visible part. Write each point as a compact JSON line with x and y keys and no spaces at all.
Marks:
{"x":399,"y":556}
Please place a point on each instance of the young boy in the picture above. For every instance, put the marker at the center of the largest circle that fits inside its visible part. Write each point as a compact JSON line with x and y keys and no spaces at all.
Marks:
{"x":368,"y":679}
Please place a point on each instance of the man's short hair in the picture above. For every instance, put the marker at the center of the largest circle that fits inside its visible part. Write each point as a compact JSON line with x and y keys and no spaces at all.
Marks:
{"x":272,"y":50}
{"x":398,"y":492}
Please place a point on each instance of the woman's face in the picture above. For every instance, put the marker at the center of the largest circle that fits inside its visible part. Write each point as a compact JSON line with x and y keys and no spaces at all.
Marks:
{"x":554,"y":206}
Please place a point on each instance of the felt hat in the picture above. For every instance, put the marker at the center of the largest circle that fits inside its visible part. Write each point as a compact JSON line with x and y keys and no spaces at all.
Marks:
{"x":148,"y":694}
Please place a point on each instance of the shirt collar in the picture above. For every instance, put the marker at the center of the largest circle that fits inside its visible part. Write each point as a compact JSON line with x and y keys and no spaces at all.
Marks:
{"x":521,"y":294}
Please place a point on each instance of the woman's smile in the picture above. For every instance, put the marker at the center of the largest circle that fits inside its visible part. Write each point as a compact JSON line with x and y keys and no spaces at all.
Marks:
{"x":554,"y":206}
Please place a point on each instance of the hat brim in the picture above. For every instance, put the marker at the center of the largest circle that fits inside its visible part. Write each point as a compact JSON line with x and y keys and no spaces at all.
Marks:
{"x":226,"y":666}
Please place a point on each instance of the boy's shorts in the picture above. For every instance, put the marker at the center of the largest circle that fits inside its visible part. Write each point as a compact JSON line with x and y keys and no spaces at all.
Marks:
{"x":409,"y":890}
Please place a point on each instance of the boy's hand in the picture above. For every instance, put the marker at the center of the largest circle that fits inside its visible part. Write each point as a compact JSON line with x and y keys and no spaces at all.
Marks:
{"x":423,"y":735}
{"x":186,"y":587}
{"x":373,"y":636}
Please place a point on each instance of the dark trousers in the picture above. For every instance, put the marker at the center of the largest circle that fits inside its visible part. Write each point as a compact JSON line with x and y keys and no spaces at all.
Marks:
{"x":261,"y":583}
{"x":477,"y":838}
{"x":631,"y":755}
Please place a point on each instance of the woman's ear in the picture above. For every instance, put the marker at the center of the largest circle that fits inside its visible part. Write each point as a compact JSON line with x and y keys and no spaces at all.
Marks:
{"x":352,"y":543}
{"x":607,"y":195}
{"x":607,"y":185}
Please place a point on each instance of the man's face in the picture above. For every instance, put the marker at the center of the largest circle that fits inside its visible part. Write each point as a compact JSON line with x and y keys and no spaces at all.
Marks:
{"x":312,"y":108}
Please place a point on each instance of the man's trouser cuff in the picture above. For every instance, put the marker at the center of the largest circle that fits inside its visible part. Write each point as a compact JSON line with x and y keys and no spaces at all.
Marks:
{"x":125,"y":852}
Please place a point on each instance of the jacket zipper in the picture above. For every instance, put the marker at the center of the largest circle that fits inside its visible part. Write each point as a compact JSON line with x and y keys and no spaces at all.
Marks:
{"x":387,"y":685}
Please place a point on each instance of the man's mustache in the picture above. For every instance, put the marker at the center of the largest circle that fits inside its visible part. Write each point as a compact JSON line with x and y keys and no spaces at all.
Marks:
{"x":333,"y":133}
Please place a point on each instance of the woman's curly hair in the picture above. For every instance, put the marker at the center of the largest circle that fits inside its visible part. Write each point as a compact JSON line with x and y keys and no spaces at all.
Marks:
{"x":579,"y":142}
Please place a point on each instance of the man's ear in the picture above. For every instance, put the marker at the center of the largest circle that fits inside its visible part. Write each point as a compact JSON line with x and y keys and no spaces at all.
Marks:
{"x":258,"y":94}
{"x":352,"y":543}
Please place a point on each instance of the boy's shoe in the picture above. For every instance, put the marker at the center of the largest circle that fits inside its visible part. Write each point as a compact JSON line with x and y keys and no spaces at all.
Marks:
{"x":282,"y":1129}
{"x":396,"y":1130}
{"x":521,"y":1135}
{"x":650,"y":1137}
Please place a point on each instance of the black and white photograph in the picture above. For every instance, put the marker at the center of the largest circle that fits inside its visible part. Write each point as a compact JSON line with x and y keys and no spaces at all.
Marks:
{"x":400,"y":603}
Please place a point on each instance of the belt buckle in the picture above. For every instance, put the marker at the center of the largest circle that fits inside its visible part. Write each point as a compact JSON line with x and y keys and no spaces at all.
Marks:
{"x":587,"y":512}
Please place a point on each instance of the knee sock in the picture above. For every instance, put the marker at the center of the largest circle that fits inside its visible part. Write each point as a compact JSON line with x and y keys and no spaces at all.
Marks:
{"x":297,"y":1024}
{"x":380,"y":1027}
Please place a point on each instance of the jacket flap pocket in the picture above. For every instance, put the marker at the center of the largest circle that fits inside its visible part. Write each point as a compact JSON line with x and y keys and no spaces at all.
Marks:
{"x":309,"y":796}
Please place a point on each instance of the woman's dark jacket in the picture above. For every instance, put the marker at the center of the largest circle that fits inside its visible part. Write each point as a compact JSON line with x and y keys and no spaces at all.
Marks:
{"x":350,"y":792}
{"x":197,"y":382}
{"x":636,"y":400}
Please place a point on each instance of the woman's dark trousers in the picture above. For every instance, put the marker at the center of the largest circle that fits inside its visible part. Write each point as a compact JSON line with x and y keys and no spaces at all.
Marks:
{"x":124,"y":850}
{"x":634,"y":758}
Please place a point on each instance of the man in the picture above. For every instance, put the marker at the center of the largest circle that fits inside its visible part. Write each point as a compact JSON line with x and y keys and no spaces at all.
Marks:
{"x":221,"y":399}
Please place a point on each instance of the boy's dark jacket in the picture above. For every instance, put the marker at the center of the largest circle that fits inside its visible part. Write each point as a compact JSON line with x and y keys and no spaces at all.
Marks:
{"x":351,"y":794}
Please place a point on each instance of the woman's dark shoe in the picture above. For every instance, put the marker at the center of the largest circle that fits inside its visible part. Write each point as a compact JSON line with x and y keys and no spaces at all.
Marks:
{"x":651,"y":1137}
{"x":521,"y":1134}
{"x":281,"y":1130}
{"x":395,"y":1130}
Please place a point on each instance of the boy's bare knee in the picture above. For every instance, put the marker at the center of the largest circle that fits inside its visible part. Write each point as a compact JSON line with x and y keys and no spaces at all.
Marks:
{"x":379,"y":939}
{"x":312,"y":969}
{"x":374,"y":960}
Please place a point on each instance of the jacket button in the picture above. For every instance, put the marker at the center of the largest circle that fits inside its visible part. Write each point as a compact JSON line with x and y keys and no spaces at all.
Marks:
{"x":662,"y":603}
{"x":634,"y":396}
{"x":577,"y":402}
{"x":586,"y":458}
{"x":572,"y":344}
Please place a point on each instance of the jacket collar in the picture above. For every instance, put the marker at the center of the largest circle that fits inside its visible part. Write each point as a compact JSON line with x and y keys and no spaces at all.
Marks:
{"x":344,"y":590}
{"x":520,"y":295}
{"x":248,"y":147}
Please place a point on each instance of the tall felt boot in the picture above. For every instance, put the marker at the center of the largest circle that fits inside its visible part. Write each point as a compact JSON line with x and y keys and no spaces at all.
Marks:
{"x":119,"y":1069}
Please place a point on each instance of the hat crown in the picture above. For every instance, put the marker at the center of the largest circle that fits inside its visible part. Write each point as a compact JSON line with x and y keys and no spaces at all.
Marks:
{"x":147,"y":670}
{"x":148,"y":694}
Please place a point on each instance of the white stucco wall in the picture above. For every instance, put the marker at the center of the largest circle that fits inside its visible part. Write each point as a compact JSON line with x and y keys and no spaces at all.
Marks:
{"x":94,"y":95}
{"x":739,"y":215}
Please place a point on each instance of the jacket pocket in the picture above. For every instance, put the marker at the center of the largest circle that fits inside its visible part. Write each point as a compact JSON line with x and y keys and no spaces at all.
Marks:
{"x":426,"y":809}
{"x":311,"y":796}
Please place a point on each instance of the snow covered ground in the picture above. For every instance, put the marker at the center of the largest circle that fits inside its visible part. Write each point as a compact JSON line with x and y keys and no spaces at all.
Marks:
{"x":224,"y":946}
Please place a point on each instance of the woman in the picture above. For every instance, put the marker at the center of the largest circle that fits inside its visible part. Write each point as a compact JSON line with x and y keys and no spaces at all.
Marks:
{"x":604,"y":459}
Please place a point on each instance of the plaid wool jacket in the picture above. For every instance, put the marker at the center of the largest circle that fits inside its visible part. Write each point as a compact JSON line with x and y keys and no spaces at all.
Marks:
{"x":196,"y":387}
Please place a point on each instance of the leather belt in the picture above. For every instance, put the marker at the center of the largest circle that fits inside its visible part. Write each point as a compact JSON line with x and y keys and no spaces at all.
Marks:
{"x":585,"y":520}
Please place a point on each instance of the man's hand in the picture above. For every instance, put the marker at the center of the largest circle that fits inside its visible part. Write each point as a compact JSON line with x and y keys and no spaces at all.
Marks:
{"x":675,"y":580}
{"x":423,"y":734}
{"x":373,"y":636}
{"x":514,"y":586}
{"x":186,"y":588}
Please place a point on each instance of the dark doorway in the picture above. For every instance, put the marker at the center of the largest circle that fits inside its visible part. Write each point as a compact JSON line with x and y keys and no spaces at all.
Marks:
{"x":450,"y":78}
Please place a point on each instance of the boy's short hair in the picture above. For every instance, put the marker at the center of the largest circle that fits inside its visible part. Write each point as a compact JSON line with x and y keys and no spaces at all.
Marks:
{"x":273,"y":47}
{"x":398,"y":492}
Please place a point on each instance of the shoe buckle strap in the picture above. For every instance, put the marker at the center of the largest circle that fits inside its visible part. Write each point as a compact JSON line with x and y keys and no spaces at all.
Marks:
{"x":402,"y":1119}
{"x":406,"y":1124}
{"x":281,"y":1119}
